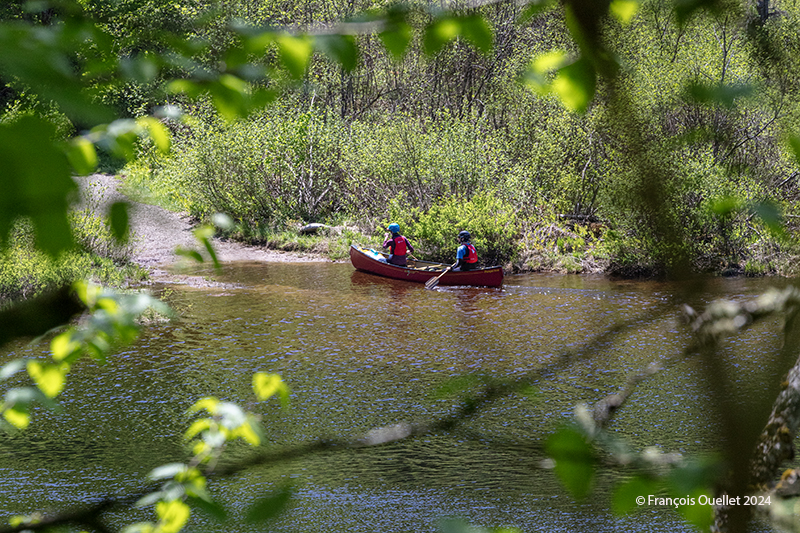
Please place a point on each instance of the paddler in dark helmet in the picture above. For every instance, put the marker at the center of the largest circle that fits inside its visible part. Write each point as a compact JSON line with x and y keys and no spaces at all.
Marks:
{"x":399,"y":246}
{"x":466,"y":255}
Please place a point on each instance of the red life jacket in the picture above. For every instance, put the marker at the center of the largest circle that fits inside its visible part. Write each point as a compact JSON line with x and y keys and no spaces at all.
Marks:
{"x":472,"y":254}
{"x":399,"y":245}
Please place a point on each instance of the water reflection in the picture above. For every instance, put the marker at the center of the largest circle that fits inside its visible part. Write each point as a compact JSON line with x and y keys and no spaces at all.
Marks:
{"x":359,"y":352}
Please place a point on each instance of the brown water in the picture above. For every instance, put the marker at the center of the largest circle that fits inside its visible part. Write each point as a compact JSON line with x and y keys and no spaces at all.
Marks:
{"x":361,"y":352}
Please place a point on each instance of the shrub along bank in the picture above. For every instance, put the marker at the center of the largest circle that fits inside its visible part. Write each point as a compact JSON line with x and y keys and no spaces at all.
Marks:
{"x":26,"y":272}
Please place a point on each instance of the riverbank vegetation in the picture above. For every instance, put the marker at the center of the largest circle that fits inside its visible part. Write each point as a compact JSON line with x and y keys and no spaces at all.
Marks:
{"x":403,"y":139}
{"x":27,"y":272}
{"x":397,"y":138}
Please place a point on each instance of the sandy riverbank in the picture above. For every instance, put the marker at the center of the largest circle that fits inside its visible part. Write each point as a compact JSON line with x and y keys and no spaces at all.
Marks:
{"x":157,"y":233}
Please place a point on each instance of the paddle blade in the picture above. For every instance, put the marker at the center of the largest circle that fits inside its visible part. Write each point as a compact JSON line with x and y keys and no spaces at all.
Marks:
{"x":433,"y":282}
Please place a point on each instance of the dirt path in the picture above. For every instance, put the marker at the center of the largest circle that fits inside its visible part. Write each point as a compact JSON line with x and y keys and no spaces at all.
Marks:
{"x":158,"y":232}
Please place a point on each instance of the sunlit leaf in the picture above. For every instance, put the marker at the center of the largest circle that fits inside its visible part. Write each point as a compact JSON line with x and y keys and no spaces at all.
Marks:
{"x":109,"y":304}
{"x":248,"y":433}
{"x":536,"y":76}
{"x":173,"y":516}
{"x":575,"y":85}
{"x":575,"y":460}
{"x":158,"y":133}
{"x":19,"y":520}
{"x":439,"y":33}
{"x":208,"y":403}
{"x":476,"y":30}
{"x":295,"y":53}
{"x":269,"y":507}
{"x":189,"y":88}
{"x":192,"y":479}
{"x":201,"y":448}
{"x":340,"y":48}
{"x":50,"y":378}
{"x":82,"y":155}
{"x":17,"y":416}
{"x":259,"y":42}
{"x":624,"y":10}
{"x":267,"y":385}
{"x":396,"y":38}
{"x":118,"y":216}
{"x":549,"y":61}
{"x":196,"y":427}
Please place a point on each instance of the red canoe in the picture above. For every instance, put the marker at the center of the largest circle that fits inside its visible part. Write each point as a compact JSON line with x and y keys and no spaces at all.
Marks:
{"x":421,"y":271}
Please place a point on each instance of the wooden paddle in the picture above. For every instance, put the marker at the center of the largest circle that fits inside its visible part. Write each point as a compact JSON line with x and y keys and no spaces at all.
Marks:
{"x":433,"y":282}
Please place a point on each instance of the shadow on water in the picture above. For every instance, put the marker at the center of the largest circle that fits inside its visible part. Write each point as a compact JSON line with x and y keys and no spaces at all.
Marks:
{"x":360,"y":352}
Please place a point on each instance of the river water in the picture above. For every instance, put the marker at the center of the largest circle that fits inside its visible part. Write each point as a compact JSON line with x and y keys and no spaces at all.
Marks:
{"x":361,"y":352}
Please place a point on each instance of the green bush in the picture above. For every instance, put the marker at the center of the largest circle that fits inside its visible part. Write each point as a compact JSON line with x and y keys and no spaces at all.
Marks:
{"x":274,"y":167}
{"x":26,"y":272}
{"x":424,"y":159}
{"x":491,"y":221}
{"x":93,"y":236}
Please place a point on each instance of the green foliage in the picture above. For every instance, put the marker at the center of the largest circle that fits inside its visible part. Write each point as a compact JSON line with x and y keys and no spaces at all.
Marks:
{"x":26,"y":272}
{"x":423,"y":159}
{"x":184,"y":483}
{"x":112,"y":320}
{"x":491,"y":221}
{"x":39,"y":192}
{"x":270,"y":506}
{"x":261,"y":171}
{"x":575,"y":462}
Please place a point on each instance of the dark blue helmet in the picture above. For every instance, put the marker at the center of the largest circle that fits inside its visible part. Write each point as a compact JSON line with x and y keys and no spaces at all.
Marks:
{"x":464,"y":236}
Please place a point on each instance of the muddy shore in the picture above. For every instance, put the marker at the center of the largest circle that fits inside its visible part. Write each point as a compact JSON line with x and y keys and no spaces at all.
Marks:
{"x":157,"y":233}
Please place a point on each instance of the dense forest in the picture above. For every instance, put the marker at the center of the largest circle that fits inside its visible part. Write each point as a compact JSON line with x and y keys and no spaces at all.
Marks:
{"x":468,"y":126}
